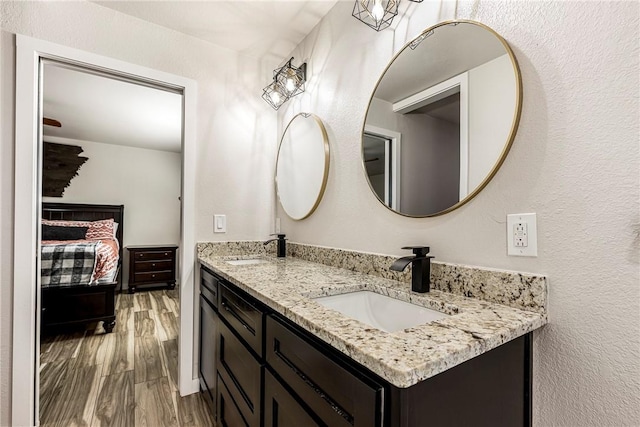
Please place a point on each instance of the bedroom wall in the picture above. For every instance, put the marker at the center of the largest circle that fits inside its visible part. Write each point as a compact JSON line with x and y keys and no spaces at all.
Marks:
{"x":146,"y":182}
{"x":235,"y":134}
{"x":574,"y":162}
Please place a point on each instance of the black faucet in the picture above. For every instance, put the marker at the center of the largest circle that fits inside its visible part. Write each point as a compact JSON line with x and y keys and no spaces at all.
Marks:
{"x":282,"y":244}
{"x":420,"y":270}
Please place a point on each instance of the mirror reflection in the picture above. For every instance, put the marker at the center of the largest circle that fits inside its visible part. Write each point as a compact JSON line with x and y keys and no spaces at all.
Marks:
{"x":303,"y":165}
{"x":441,"y":119}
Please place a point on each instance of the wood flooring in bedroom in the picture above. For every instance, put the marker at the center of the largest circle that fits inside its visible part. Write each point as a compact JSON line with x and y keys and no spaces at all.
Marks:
{"x":125,"y":378}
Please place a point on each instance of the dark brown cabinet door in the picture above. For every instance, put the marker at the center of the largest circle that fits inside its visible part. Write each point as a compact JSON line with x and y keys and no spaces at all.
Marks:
{"x":242,"y":374}
{"x":228,"y":413}
{"x":283,"y":410}
{"x":208,"y":338}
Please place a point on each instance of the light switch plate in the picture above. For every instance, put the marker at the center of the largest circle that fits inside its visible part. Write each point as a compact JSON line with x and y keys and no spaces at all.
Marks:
{"x":522,"y":235}
{"x":219,"y":223}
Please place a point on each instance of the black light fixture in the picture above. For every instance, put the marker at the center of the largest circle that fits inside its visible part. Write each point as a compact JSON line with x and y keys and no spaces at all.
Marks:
{"x":292,"y":78}
{"x":378,"y":14}
{"x":288,"y":81}
{"x":274,"y":94}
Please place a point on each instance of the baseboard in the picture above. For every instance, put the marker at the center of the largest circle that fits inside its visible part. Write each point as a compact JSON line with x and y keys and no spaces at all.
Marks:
{"x":193,"y":387}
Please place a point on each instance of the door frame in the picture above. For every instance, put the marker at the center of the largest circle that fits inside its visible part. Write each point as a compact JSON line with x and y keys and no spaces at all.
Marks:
{"x":392,"y":178}
{"x":27,"y":202}
{"x":456,"y":84}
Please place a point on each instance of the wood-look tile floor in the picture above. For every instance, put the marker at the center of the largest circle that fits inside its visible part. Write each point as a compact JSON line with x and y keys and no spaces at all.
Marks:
{"x":125,"y":378}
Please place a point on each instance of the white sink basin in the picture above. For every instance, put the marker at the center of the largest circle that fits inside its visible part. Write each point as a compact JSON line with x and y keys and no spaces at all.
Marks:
{"x":246,"y":261}
{"x":380,"y":311}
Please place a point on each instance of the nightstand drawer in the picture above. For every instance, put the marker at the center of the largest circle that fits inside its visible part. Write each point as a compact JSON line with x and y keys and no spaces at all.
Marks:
{"x":154,"y":265}
{"x":154,"y":255}
{"x":154,"y":276}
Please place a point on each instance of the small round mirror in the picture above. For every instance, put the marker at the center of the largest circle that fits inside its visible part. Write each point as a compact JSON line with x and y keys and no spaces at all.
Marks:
{"x":441,"y":119}
{"x":302,"y":167}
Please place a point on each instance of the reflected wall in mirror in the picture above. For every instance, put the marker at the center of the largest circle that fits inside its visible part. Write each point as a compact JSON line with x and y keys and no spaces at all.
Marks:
{"x":302,"y":167}
{"x":441,"y":119}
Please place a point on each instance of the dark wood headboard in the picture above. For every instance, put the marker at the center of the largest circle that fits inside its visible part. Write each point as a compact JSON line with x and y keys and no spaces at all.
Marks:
{"x":86,"y":212}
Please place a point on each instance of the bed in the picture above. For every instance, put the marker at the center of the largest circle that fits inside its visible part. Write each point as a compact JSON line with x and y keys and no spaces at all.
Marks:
{"x":87,"y":295}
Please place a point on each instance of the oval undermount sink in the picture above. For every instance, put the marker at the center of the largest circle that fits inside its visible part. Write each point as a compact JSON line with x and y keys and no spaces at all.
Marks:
{"x":246,"y":261}
{"x":380,"y":311}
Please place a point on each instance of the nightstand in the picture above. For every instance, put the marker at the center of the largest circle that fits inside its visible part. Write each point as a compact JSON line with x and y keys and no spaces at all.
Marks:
{"x":152,"y":264}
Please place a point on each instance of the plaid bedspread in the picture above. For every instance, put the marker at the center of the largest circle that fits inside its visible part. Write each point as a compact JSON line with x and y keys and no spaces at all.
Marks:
{"x":68,"y":264}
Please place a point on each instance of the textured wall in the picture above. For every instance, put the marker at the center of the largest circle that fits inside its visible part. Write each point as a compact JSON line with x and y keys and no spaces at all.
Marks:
{"x":235,"y":131}
{"x":575,"y":162}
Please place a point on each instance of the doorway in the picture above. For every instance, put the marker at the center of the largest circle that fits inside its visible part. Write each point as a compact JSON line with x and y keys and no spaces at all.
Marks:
{"x":30,"y":54}
{"x":108,"y":141}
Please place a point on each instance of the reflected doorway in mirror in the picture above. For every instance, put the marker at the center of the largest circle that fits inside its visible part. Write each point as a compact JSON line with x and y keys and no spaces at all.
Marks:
{"x":382,"y":155}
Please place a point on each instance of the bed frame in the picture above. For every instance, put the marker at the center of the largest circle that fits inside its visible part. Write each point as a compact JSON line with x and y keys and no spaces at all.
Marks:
{"x":68,"y":306}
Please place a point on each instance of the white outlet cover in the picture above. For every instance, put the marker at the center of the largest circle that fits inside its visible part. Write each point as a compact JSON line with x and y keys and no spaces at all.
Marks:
{"x":531,"y":248}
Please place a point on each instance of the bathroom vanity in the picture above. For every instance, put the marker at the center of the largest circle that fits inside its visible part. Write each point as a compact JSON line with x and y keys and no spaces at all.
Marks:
{"x":283,"y":359}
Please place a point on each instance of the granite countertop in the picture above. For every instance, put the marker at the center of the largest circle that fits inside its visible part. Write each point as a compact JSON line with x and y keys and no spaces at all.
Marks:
{"x":403,"y":358}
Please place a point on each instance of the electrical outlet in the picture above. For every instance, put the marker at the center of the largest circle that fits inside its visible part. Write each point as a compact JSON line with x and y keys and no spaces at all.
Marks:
{"x":219,"y":223}
{"x":522,"y":239}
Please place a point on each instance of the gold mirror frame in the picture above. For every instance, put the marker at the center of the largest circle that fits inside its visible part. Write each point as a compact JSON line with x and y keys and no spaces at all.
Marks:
{"x":512,"y":133}
{"x":326,"y":159}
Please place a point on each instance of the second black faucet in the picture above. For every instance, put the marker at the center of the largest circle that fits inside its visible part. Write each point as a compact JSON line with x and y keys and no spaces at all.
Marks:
{"x":282,"y":244}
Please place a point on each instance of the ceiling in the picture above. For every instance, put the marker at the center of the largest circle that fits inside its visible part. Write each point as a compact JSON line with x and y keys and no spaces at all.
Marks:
{"x":449,"y":51}
{"x":256,"y":28}
{"x":99,"y":109}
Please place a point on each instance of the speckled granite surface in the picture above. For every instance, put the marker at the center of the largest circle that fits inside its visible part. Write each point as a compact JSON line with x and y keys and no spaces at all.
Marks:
{"x":514,"y":289}
{"x":405,"y":357}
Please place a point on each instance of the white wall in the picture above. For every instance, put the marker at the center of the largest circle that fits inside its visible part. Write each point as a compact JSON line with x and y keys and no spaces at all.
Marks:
{"x":235,"y":134}
{"x":575,"y":162}
{"x":146,"y":182}
{"x":491,"y":108}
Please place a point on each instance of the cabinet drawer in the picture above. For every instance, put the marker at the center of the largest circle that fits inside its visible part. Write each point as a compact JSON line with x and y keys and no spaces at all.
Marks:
{"x":333,"y":391}
{"x":228,"y":413}
{"x":209,"y":287}
{"x":244,"y":317}
{"x":154,"y":265}
{"x":281,"y":409}
{"x":241,"y":373}
{"x":157,"y":276}
{"x":154,"y":255}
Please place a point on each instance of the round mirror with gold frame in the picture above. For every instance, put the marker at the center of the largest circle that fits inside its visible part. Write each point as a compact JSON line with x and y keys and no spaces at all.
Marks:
{"x":302,"y":167}
{"x":441,"y":119}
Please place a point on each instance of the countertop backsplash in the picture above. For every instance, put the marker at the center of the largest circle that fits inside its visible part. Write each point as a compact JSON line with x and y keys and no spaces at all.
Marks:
{"x":525,"y":291}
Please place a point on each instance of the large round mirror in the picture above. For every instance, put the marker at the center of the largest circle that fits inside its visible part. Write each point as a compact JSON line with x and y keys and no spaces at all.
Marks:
{"x":441,"y":119}
{"x":302,"y":167}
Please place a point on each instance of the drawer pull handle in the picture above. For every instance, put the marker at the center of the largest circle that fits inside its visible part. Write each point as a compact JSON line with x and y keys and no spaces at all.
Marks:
{"x":166,"y":253}
{"x":324,"y":396}
{"x":233,"y":313}
{"x":153,"y":264}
